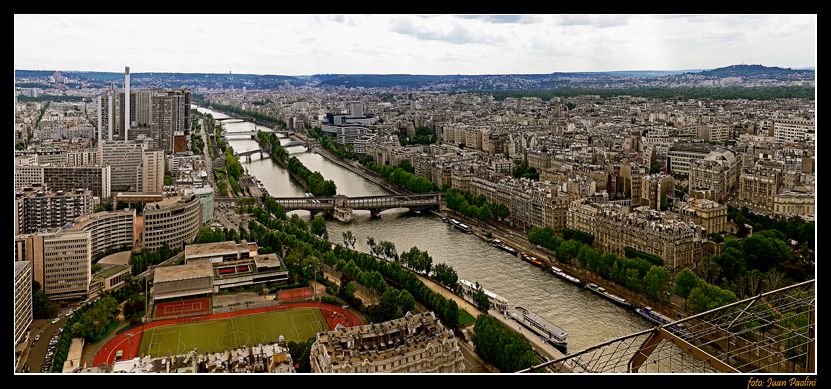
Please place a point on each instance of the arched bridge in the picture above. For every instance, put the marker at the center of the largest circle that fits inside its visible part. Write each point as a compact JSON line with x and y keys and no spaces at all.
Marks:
{"x":341,"y":206}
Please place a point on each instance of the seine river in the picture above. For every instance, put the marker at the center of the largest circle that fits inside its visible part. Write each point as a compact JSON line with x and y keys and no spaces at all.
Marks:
{"x":587,"y":318}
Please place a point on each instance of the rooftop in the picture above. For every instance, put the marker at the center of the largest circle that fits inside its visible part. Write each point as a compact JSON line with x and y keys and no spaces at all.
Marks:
{"x":183,"y":272}
{"x":218,"y":248}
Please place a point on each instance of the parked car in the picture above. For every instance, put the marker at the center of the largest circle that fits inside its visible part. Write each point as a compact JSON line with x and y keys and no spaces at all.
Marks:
{"x":37,"y":337}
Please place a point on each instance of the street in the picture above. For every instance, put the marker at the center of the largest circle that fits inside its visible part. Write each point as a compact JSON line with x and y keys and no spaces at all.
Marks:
{"x":46,"y":330}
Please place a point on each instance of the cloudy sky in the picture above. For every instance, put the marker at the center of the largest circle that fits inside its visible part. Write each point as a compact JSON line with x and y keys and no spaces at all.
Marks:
{"x":414,"y":44}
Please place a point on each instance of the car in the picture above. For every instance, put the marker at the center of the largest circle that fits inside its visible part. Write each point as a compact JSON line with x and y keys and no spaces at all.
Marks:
{"x":37,"y":337}
{"x":57,"y":319}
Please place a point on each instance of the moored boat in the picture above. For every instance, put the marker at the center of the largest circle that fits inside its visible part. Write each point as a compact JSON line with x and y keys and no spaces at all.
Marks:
{"x":560,"y":273}
{"x":597,"y":289}
{"x":548,"y":331}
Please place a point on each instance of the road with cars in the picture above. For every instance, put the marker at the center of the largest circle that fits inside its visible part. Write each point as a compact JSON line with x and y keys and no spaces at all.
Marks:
{"x":47,"y":332}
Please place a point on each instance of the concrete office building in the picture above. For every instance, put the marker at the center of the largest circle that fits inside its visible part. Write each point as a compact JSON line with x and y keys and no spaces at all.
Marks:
{"x":152,"y":176}
{"x":38,"y":208}
{"x":22,"y":299}
{"x":174,"y":220}
{"x":681,"y":155}
{"x":206,"y":200}
{"x":61,"y":262}
{"x":411,"y":344}
{"x":109,"y":231}
{"x":123,"y":157}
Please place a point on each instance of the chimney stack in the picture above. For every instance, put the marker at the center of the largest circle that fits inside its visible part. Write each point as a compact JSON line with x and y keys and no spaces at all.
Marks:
{"x":126,"y":101}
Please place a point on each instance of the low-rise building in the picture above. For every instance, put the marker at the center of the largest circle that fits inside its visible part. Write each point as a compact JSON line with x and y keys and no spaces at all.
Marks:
{"x":411,"y":344}
{"x":705,"y":213}
{"x":793,"y":203}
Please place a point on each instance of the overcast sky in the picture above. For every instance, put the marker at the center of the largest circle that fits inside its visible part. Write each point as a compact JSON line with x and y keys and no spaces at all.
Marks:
{"x":423,"y":44}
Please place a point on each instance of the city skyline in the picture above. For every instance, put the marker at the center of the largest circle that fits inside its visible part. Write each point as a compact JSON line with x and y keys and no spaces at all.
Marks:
{"x":413,"y":44}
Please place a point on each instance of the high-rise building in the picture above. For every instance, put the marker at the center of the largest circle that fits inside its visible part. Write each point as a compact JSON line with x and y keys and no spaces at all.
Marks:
{"x":152,"y":177}
{"x":356,"y":109}
{"x":40,"y":208}
{"x":22,"y":299}
{"x":143,"y":107}
{"x":61,"y":262}
{"x":170,"y":114}
{"x":127,"y":117}
{"x":123,"y":157}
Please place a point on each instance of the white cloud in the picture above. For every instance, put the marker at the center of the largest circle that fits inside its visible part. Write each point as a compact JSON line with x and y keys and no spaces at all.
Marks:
{"x":419,"y":44}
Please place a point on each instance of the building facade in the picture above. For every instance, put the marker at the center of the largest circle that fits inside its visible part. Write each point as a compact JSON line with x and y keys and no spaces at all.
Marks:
{"x":109,"y":231}
{"x":65,"y":178}
{"x":152,"y":176}
{"x":22,"y":299}
{"x":61,"y":262}
{"x":792,"y":130}
{"x":411,"y":344}
{"x":705,"y":213}
{"x":759,"y":185}
{"x":39,"y":208}
{"x":175,"y":221}
{"x":616,"y":227}
{"x":124,"y":159}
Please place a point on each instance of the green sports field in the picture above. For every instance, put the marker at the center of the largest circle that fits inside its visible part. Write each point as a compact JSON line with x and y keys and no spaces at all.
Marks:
{"x":221,"y":334}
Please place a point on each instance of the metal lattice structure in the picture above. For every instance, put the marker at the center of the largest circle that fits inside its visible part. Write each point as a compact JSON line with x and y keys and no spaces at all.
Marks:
{"x":770,"y":333}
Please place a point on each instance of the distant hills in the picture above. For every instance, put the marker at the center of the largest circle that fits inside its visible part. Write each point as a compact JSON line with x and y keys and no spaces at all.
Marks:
{"x":754,"y":71}
{"x":454,"y":83}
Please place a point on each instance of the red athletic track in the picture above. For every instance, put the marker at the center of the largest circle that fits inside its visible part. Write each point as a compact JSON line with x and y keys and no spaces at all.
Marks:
{"x":295,"y":294}
{"x":183,"y":307}
{"x":131,"y":346}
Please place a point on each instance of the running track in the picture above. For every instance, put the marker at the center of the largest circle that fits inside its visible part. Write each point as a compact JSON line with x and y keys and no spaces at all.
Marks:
{"x":131,"y":347}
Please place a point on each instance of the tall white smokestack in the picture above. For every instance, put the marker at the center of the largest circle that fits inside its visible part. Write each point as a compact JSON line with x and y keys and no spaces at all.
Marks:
{"x":126,"y":100}
{"x":110,"y":108}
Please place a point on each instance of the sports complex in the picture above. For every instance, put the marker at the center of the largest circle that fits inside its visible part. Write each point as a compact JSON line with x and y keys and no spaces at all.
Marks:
{"x":214,"y":332}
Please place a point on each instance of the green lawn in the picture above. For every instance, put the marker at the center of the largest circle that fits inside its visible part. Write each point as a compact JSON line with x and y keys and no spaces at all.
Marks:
{"x":219,"y":335}
{"x":465,"y":318}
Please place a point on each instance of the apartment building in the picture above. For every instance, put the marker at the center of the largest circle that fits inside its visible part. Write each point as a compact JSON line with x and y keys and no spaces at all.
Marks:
{"x":38,"y":208}
{"x":411,"y":344}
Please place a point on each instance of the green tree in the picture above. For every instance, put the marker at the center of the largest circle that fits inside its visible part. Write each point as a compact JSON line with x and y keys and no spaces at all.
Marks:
{"x":318,"y":227}
{"x":656,"y":282}
{"x":480,"y":298}
{"x":685,"y":282}
{"x":406,"y":301}
{"x":42,"y":308}
{"x":501,"y":346}
{"x":348,"y":239}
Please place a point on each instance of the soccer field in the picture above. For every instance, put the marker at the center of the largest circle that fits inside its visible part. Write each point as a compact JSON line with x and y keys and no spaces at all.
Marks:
{"x":222,"y":334}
